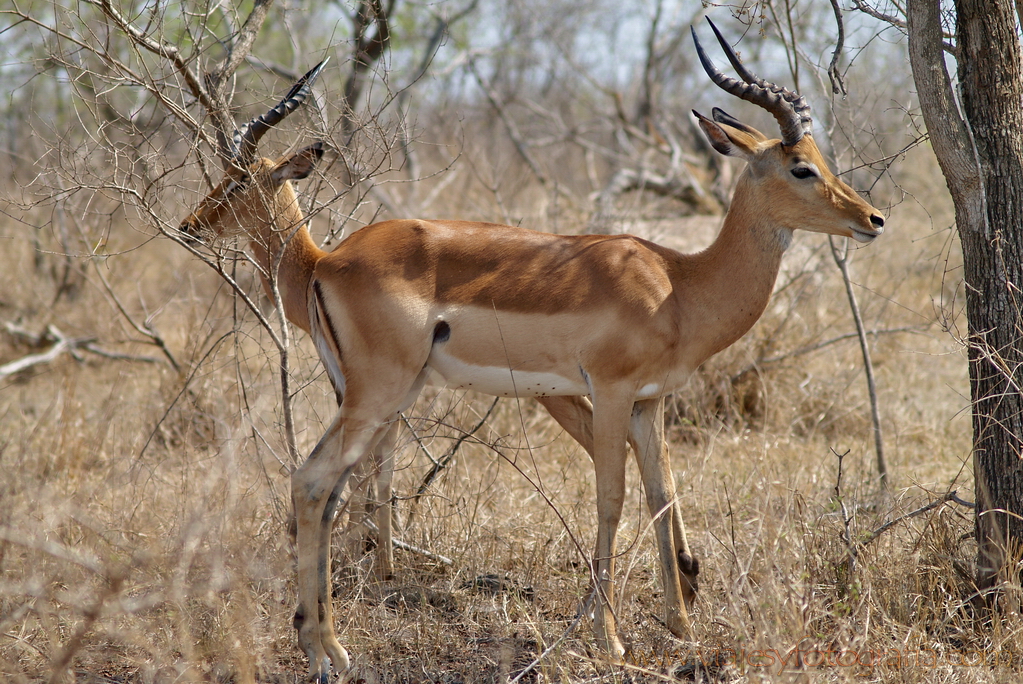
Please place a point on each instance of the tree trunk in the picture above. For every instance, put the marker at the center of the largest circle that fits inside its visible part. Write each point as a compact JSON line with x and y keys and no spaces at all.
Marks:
{"x":991,"y":78}
{"x":981,"y":154}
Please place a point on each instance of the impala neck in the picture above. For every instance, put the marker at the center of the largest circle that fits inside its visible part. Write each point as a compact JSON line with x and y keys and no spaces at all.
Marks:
{"x":298,"y":257}
{"x":736,"y":274}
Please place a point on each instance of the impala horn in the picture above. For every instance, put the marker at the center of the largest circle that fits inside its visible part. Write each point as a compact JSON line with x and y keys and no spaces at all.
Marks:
{"x":246,"y":138}
{"x":789,"y":108}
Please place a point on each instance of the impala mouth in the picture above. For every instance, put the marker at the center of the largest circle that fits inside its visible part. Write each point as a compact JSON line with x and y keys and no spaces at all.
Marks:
{"x":864,"y":235}
{"x":191,"y":232}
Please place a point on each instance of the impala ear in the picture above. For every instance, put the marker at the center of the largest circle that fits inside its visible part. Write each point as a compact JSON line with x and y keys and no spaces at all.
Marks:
{"x":727,"y":140}
{"x":298,"y":165}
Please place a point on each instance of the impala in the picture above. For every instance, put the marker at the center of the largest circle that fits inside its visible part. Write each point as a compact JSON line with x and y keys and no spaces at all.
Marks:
{"x":599,"y":328}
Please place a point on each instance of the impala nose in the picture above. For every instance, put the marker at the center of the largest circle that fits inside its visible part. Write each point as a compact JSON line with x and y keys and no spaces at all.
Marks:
{"x":878,"y":221}
{"x":190,"y":229}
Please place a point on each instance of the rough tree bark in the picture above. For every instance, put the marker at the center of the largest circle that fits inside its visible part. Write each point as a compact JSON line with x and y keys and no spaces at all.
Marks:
{"x":980,"y":150}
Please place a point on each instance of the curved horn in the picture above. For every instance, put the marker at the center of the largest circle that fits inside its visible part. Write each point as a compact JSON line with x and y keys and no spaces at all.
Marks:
{"x":247,"y":137}
{"x":789,"y":108}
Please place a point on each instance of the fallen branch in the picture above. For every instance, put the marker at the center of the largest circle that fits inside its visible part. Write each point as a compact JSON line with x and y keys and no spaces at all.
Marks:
{"x":61,"y":344}
{"x":404,"y":546}
{"x":26,"y":362}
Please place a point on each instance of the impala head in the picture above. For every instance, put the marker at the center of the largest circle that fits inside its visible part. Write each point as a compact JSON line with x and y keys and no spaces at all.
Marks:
{"x":256,"y":191}
{"x":788,"y":180}
{"x":260,"y":194}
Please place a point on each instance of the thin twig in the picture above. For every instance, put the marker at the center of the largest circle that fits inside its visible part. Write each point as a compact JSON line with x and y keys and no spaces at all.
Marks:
{"x":143,"y":329}
{"x":846,"y":518}
{"x":810,"y":348}
{"x":118,"y":356}
{"x":952,"y":496}
{"x":557,"y":642}
{"x":181,"y":393}
{"x":442,"y":463}
{"x":842,"y":260}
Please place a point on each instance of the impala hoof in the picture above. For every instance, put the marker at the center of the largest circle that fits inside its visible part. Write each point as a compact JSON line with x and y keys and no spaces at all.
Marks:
{"x":613,"y":649}
{"x":678,"y":624}
{"x":321,"y":674}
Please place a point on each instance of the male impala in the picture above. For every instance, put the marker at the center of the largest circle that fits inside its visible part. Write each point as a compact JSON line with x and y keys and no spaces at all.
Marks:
{"x":598,"y":328}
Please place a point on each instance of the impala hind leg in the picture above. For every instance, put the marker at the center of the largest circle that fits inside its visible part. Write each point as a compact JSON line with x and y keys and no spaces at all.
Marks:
{"x":361,"y":499}
{"x":383,"y":459}
{"x":315,"y":489}
{"x":575,"y":415}
{"x":678,"y":568}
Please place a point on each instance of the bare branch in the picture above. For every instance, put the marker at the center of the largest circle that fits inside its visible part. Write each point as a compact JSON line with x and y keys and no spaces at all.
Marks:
{"x":951,"y":496}
{"x":947,"y":45}
{"x":862,"y":6}
{"x":521,"y":146}
{"x":837,"y":84}
{"x":367,"y":50}
{"x":242,"y":44}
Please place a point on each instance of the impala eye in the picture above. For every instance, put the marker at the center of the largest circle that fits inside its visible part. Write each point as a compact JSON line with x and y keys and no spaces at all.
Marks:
{"x":803,"y":172}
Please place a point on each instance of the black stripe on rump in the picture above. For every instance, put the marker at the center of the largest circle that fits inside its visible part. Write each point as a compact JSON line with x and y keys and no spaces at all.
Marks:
{"x":326,"y":321}
{"x":441,"y":332}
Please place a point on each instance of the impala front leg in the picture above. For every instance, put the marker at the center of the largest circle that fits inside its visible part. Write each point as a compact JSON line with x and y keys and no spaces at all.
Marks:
{"x":678,"y":568}
{"x":610,"y":428}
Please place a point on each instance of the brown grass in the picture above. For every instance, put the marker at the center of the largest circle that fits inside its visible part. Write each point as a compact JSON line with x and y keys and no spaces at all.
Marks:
{"x":143,"y":511}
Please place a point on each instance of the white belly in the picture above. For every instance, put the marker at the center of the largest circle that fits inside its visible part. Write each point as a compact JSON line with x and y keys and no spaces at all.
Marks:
{"x":503,"y":382}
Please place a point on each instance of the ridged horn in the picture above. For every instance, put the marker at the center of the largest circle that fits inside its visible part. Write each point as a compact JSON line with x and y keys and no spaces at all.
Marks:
{"x":789,"y":108}
{"x":247,"y":137}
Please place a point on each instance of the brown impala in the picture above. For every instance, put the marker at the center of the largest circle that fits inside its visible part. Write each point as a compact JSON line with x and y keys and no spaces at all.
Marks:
{"x":599,"y":328}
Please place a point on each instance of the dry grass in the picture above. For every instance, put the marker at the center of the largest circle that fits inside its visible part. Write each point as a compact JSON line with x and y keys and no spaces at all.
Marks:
{"x":143,"y":511}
